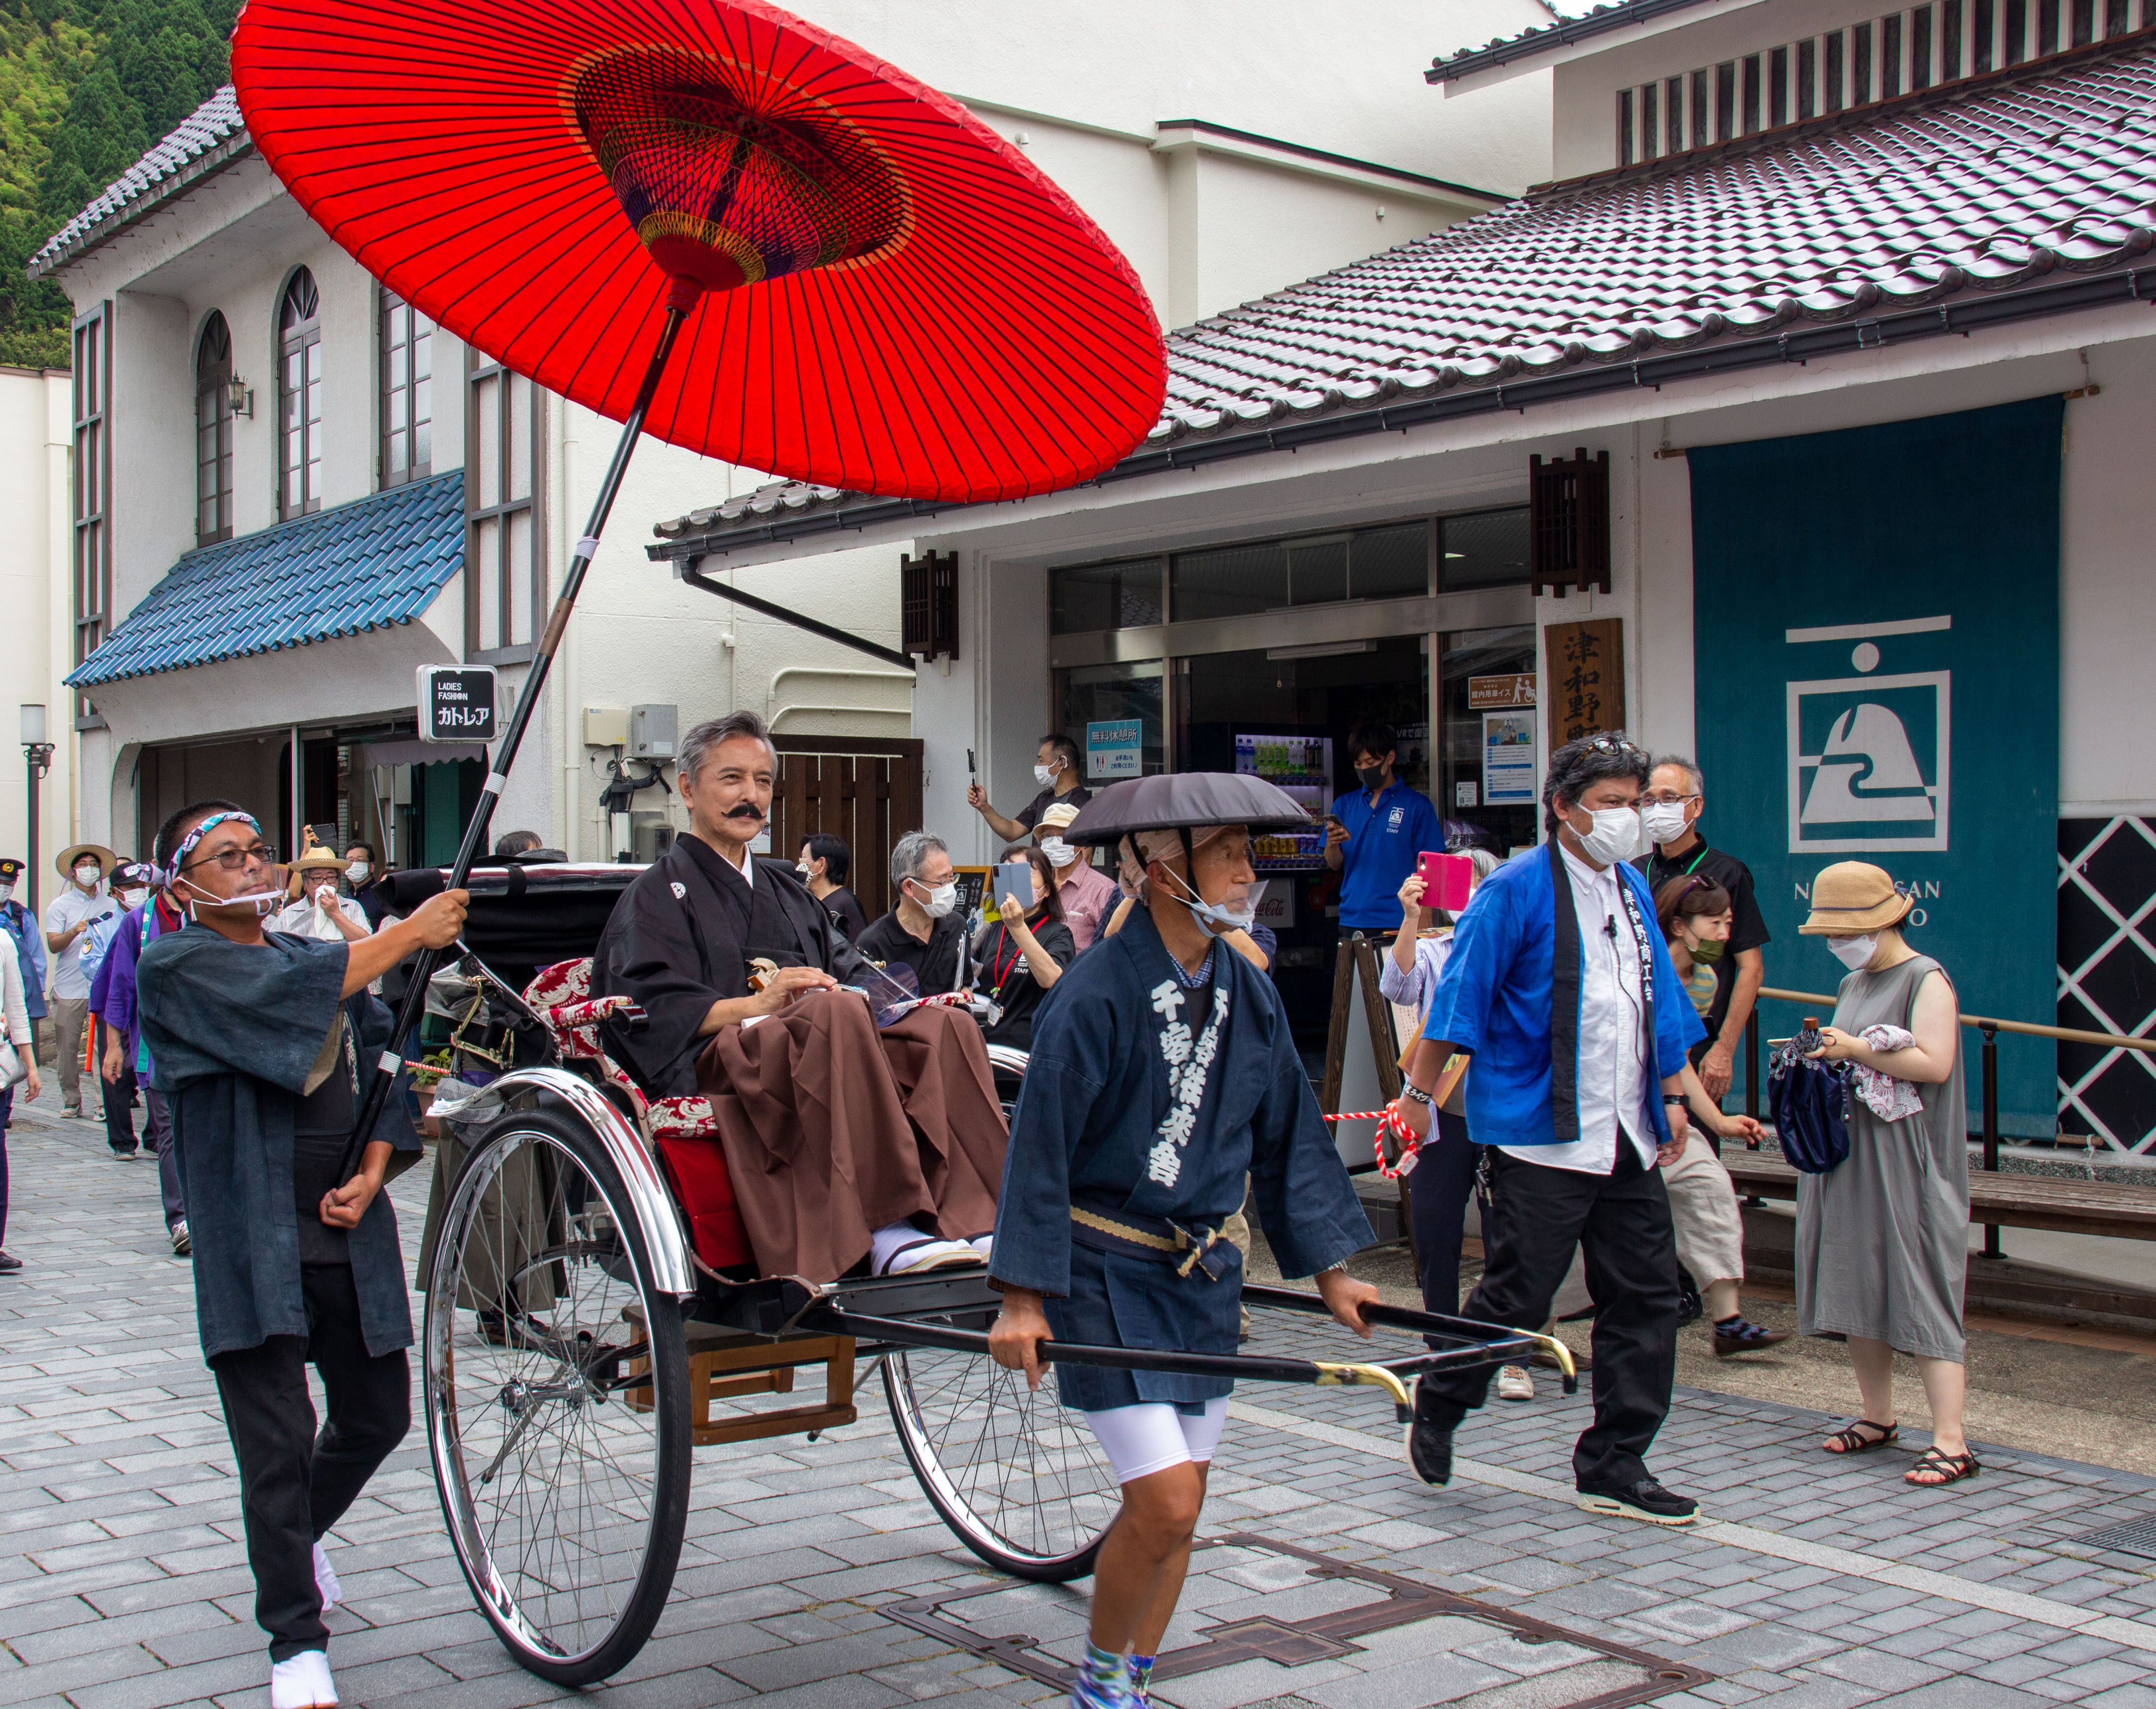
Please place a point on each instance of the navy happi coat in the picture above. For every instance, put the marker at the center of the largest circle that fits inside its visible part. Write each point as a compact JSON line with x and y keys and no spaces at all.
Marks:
{"x":1101,"y":1125}
{"x":235,"y":1029}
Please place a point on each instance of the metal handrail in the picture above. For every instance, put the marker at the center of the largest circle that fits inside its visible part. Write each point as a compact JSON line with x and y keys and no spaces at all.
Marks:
{"x":2072,"y":1035}
{"x":1990,"y":1026}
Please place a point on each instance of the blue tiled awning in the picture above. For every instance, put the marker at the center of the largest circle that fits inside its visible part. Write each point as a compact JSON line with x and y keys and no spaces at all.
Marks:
{"x":362,"y":566}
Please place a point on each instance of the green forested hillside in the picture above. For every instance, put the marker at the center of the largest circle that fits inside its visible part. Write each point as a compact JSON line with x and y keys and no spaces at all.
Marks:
{"x":85,"y":87}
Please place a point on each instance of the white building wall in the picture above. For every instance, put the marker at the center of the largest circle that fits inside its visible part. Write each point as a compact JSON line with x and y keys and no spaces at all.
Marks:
{"x":1348,"y":80}
{"x":33,"y":587}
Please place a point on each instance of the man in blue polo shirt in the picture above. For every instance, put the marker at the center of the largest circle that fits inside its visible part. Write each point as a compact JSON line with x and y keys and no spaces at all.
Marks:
{"x":1377,"y":832}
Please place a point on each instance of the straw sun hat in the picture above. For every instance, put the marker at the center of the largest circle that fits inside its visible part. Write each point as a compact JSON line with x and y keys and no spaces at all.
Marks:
{"x":1853,"y":896}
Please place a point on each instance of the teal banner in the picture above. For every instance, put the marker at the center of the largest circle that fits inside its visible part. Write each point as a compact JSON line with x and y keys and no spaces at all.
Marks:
{"x":1876,"y":627}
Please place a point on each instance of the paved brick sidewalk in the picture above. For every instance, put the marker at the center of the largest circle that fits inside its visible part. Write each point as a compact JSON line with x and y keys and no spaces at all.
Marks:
{"x":1817,"y":1584}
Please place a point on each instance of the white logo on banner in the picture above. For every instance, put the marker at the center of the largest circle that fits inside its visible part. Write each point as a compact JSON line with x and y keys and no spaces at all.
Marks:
{"x":1868,"y":756}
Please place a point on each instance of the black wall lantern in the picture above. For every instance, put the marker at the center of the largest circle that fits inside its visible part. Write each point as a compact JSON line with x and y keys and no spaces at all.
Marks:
{"x":1568,"y":514}
{"x":928,"y":604}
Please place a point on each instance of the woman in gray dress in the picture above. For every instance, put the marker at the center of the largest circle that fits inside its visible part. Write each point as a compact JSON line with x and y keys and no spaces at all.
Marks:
{"x":1882,"y":1238}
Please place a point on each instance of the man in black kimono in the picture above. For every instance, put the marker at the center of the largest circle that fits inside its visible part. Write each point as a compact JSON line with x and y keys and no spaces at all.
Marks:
{"x":261,"y":1042}
{"x":841,"y":1142}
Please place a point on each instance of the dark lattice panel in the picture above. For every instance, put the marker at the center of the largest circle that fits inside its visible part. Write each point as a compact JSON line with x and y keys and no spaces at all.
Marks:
{"x":2108,"y":976}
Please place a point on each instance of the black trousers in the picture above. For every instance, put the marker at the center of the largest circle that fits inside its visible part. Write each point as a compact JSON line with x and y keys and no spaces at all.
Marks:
{"x":119,"y":1095}
{"x":1620,"y":1222}
{"x":294,"y":1484}
{"x":1439,"y":1188}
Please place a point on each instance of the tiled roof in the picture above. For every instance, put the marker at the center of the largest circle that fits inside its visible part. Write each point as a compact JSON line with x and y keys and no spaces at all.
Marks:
{"x":1948,"y":204}
{"x":207,"y":138}
{"x":1504,"y":50}
{"x":362,"y":566}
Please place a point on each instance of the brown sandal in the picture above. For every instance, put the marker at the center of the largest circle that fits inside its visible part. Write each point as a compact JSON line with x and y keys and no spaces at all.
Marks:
{"x":1953,"y":1468}
{"x":1852,"y":1440}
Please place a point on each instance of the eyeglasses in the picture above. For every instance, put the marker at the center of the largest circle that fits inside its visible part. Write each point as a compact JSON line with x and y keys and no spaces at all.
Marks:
{"x":233,"y":860}
{"x":1653,"y":799}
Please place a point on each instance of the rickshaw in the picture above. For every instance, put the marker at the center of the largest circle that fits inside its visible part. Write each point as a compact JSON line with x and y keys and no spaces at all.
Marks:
{"x":576,"y":1338}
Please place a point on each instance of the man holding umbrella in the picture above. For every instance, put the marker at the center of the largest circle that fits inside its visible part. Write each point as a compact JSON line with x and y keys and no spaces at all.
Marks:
{"x":1162,"y":1076}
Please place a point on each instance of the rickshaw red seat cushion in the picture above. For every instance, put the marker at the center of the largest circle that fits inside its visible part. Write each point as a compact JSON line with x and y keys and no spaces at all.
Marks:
{"x":696,"y":1168}
{"x":684,"y":1130}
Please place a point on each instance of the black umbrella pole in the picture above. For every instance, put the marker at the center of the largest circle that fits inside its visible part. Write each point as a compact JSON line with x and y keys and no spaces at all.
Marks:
{"x":557,"y":622}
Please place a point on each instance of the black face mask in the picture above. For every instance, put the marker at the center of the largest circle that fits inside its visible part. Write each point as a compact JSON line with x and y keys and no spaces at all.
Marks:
{"x":1369,"y":777}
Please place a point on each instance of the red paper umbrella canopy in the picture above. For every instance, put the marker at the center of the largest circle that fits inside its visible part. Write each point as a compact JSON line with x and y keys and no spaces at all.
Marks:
{"x":893,"y":299}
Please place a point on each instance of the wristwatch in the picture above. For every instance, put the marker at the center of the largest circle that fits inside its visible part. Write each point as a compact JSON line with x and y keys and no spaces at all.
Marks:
{"x":1677,"y":1099}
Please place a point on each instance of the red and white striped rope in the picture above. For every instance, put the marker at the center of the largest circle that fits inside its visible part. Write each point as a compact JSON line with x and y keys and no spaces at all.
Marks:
{"x":1388,"y":1122}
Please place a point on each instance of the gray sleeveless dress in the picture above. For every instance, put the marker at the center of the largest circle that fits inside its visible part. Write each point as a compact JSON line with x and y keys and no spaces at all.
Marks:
{"x":1882,"y":1240}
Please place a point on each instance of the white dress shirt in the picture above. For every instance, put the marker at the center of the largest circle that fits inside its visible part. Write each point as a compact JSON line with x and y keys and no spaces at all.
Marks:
{"x":1613,"y":1078}
{"x":302,"y":919}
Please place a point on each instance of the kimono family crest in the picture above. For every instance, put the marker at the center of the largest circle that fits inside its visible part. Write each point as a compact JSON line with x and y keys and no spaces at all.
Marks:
{"x":1188,"y":1061}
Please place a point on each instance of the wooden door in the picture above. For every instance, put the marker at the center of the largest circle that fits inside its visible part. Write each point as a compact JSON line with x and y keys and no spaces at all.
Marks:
{"x":865,"y":790}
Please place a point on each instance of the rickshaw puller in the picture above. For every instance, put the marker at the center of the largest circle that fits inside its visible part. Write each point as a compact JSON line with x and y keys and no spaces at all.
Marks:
{"x":1163,"y":1078}
{"x":260,"y":1043}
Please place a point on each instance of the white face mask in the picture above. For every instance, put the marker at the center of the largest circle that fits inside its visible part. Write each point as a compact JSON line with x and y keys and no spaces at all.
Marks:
{"x":7,"y":893}
{"x":1046,"y":775}
{"x":804,"y":869}
{"x":1058,"y":852}
{"x":262,"y":904}
{"x":1854,"y":953}
{"x":356,"y":873}
{"x":1615,"y":836}
{"x":88,"y":874}
{"x":940,"y":901}
{"x":1664,"y":821}
{"x":132,"y":899}
{"x":1217,"y":918}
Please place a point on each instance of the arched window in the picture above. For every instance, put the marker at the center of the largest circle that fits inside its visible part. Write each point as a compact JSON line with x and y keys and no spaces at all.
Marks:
{"x":214,"y":432}
{"x":299,"y":397}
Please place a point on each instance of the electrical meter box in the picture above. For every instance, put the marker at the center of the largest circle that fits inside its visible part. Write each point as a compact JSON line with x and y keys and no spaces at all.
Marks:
{"x":606,"y":727}
{"x":653,"y":732}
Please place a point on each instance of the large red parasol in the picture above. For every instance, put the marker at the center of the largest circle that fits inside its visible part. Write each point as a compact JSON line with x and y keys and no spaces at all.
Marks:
{"x":716,"y":222}
{"x":895,"y":299}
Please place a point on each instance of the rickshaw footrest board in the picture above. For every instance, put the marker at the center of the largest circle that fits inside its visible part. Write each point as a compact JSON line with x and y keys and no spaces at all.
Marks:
{"x":730,"y":1372}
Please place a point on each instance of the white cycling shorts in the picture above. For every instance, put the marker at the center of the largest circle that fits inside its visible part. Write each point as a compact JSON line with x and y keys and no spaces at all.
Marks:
{"x":1140,"y":1440}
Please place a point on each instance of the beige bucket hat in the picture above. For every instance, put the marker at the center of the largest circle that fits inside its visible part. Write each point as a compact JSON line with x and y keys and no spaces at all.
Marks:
{"x":64,"y":862}
{"x":1853,"y":896}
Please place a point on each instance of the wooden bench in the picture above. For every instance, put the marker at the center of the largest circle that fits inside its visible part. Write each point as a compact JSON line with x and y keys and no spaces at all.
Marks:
{"x":2005,"y":1201}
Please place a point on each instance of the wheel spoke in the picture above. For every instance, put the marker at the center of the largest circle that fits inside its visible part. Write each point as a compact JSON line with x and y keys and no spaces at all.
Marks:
{"x":551,"y":1479}
{"x":1017,"y":1475}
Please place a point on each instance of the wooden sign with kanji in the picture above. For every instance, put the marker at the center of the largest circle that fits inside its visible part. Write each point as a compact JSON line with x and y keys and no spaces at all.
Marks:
{"x":1584,"y":666}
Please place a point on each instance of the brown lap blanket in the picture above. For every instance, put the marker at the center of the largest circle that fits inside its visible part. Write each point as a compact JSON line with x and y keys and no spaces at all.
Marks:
{"x":814,"y":1108}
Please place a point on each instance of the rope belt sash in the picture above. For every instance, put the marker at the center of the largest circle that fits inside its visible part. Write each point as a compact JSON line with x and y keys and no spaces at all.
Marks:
{"x":1123,"y":1233}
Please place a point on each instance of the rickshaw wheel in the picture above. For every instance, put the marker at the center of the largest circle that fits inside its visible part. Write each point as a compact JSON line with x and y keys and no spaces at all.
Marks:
{"x":1014,"y":1473}
{"x":564,"y":1483}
